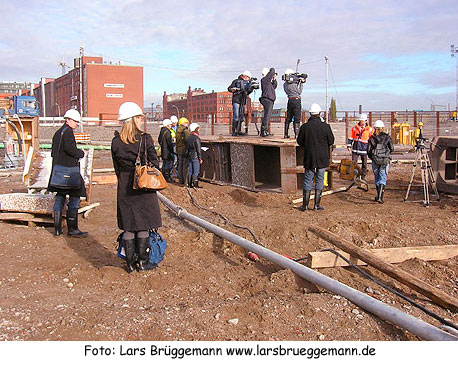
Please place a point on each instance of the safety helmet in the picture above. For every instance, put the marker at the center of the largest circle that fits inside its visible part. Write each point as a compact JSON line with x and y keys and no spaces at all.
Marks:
{"x":289,"y":71}
{"x":265,"y":71}
{"x":420,"y":124}
{"x":166,"y":122}
{"x":73,"y":114}
{"x":379,"y":124}
{"x":183,"y":120}
{"x":193,"y":127}
{"x":247,"y":73}
{"x":128,"y":110}
{"x":315,"y":109}
{"x":174,"y":119}
{"x":363,"y":117}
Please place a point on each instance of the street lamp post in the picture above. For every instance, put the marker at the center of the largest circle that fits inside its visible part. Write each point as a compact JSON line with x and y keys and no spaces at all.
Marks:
{"x":58,"y":108}
{"x":453,"y":52}
{"x":178,"y":112}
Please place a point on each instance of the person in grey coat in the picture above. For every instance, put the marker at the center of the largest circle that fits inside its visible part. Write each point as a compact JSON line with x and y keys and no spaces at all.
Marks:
{"x":137,"y":210}
{"x":65,"y":152}
{"x":316,"y":137}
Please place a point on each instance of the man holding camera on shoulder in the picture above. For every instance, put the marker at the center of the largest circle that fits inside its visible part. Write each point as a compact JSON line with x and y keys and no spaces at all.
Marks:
{"x":293,"y":85}
{"x":240,"y":88}
{"x":267,"y":99}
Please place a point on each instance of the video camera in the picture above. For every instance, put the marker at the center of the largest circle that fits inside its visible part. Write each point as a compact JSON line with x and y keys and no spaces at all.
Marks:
{"x":294,"y":78}
{"x":247,"y":86}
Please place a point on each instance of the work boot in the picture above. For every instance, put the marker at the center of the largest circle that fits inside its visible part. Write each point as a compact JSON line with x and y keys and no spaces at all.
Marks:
{"x":317,"y":205}
{"x":129,"y":248}
{"x":190,"y":181}
{"x":263,"y":131}
{"x":286,"y":135}
{"x":57,"y":222}
{"x":296,"y":129}
{"x":380,"y":194}
{"x":72,"y":224}
{"x":305,"y":200}
{"x":143,"y":255}
{"x":195,"y":182}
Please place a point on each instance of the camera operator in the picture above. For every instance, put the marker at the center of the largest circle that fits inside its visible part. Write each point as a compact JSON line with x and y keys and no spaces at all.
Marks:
{"x":293,"y":85}
{"x":240,"y":88}
{"x":267,"y":99}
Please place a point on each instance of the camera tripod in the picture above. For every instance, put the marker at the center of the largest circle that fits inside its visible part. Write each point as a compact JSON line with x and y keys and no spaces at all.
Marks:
{"x":427,"y":175}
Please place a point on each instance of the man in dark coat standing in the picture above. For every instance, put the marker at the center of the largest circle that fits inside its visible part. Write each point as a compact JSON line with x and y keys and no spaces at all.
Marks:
{"x":165,"y":141}
{"x":267,"y":99}
{"x":65,"y":153}
{"x":316,"y":137}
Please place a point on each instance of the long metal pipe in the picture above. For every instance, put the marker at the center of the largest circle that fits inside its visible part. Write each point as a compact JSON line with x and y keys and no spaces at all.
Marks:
{"x":384,"y":311}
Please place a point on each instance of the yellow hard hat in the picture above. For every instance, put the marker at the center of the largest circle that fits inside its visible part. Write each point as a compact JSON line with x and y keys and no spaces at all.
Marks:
{"x":183,"y":120}
{"x":420,"y":124}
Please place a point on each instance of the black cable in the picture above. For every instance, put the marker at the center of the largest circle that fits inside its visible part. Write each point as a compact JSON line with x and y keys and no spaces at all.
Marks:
{"x":428,"y":312}
{"x":193,"y":200}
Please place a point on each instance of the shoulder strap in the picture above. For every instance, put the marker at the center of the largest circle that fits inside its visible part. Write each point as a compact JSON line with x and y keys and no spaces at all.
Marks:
{"x":138,"y":161}
{"x":60,"y":140}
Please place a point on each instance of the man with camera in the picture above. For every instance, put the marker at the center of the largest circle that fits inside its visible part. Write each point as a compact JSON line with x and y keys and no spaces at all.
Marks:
{"x":267,"y":99}
{"x":240,"y":89}
{"x":293,"y":85}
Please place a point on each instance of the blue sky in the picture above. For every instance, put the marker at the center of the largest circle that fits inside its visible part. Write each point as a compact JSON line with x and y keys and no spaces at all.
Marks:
{"x":390,"y":57}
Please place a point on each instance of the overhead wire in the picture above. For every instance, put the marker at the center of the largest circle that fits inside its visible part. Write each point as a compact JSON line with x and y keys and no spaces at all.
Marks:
{"x":144,"y":64}
{"x":335,"y":88}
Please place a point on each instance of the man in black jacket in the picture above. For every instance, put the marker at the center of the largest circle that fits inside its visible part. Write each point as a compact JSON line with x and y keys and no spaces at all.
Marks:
{"x":65,"y":153}
{"x":165,"y":141}
{"x":316,"y":137}
{"x":267,"y":99}
{"x":240,"y":89}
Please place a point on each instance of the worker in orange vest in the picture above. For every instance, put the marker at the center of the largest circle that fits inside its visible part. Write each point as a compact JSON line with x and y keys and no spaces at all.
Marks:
{"x":357,"y":142}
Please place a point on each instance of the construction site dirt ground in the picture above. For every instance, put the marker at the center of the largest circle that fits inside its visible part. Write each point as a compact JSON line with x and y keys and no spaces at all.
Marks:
{"x":207,"y":289}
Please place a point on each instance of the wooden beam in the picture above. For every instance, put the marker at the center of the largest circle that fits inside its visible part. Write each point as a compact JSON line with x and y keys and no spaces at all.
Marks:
{"x":105,"y":179}
{"x":25,"y":217}
{"x":322,"y":259}
{"x":411,"y":281}
{"x":327,"y":192}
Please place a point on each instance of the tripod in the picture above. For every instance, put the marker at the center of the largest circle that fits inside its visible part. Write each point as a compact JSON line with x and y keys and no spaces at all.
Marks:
{"x":427,"y":175}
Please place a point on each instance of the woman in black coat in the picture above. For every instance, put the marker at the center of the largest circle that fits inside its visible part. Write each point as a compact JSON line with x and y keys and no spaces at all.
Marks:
{"x":137,"y":210}
{"x":65,"y":152}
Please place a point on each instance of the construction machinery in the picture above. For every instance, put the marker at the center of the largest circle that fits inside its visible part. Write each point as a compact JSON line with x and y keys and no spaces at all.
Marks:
{"x":22,"y":105}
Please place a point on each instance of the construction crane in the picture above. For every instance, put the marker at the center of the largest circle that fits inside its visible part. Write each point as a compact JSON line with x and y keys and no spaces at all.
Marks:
{"x":63,"y":65}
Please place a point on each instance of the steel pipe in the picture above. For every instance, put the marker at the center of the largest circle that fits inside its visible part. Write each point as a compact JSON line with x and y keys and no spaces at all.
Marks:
{"x":384,"y":311}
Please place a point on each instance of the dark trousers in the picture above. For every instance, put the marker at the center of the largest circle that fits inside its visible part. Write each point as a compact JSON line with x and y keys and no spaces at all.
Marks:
{"x":182,"y":168}
{"x":354,"y":158}
{"x":268,"y":106}
{"x":294,"y":110}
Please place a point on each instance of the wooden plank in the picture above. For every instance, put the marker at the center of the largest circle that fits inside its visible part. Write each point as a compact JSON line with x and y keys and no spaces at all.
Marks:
{"x":411,"y":281}
{"x":327,"y":192}
{"x":25,"y":217}
{"x":393,"y":255}
{"x":88,"y":207}
{"x":105,"y":179}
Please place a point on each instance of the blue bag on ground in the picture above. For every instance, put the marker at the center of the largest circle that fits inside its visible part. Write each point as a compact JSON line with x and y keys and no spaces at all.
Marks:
{"x":121,"y":252}
{"x":157,"y":246}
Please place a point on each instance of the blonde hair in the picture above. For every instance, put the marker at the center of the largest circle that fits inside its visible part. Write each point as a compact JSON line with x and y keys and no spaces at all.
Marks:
{"x":130,"y":128}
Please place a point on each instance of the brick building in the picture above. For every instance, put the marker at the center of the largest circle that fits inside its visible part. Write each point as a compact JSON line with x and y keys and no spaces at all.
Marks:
{"x":200,"y":107}
{"x":105,"y":87}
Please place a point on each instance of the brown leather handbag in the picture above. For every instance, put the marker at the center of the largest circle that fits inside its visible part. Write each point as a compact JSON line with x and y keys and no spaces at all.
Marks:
{"x":147,"y":177}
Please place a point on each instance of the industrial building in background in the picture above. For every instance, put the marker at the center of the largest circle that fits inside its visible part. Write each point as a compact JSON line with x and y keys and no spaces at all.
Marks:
{"x":199,"y":106}
{"x":105,"y":86}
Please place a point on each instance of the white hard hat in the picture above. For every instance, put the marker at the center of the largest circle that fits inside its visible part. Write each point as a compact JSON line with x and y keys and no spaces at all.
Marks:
{"x":166,"y":122}
{"x":73,"y":114}
{"x":265,"y":71}
{"x":315,"y":109}
{"x":174,"y":119}
{"x":289,"y":71}
{"x":128,"y":110}
{"x":379,"y":124}
{"x":247,"y":73}
{"x":193,"y":127}
{"x":363,"y":116}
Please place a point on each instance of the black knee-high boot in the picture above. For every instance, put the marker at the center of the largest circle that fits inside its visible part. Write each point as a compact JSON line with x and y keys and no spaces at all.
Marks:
{"x":305,"y":200}
{"x":72,"y":224}
{"x":317,"y":205}
{"x":129,"y":248}
{"x":143,"y":255}
{"x":57,"y":222}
